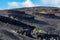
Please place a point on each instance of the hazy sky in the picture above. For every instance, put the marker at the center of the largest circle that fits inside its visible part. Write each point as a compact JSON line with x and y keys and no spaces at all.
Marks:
{"x":9,"y":4}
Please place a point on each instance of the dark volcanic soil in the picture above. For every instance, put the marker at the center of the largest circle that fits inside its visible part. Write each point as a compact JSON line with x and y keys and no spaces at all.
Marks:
{"x":8,"y":31}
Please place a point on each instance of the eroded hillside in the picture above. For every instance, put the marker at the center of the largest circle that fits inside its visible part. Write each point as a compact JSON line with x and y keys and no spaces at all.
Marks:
{"x":14,"y":20}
